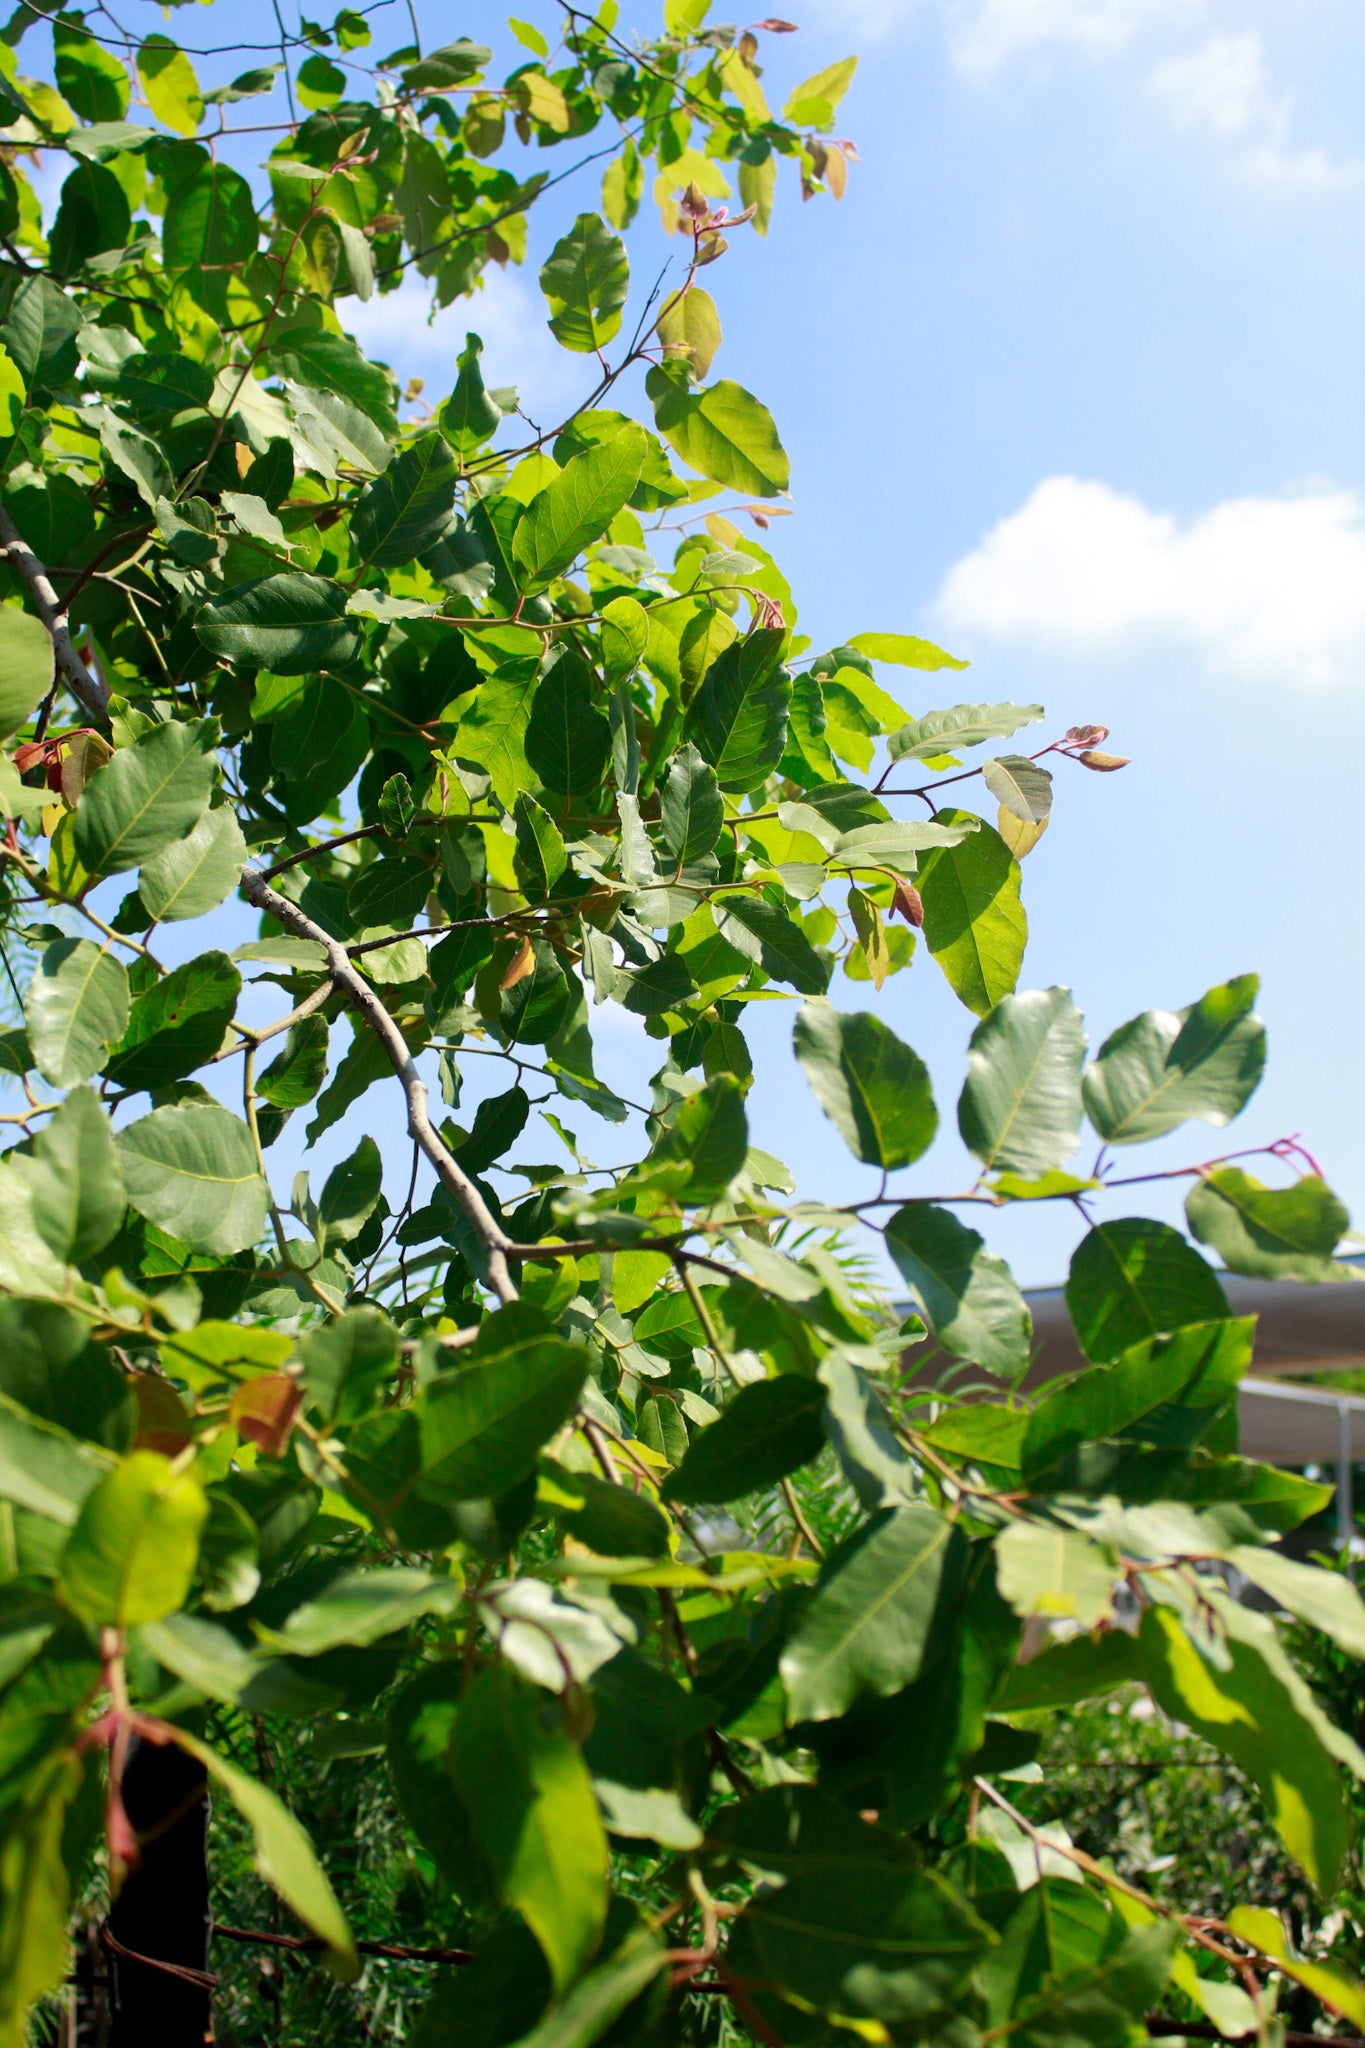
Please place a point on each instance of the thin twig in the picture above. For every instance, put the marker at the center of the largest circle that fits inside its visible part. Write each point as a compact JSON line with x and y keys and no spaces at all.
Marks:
{"x":352,"y":982}
{"x":86,"y":688}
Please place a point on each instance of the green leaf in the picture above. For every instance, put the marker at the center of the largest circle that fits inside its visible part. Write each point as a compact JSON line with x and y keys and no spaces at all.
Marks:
{"x":75,"y":1007}
{"x":1134,"y":1279}
{"x":296,"y":1076}
{"x":284,"y":1857}
{"x":577,"y":507}
{"x":25,"y":667}
{"x":40,"y":333}
{"x":974,"y":922}
{"x":1021,"y":786}
{"x":350,"y":1193}
{"x":210,"y":221}
{"x":541,"y":859}
{"x":362,"y":1607}
{"x":738,"y":719}
{"x":966,"y":725}
{"x":609,"y":1519}
{"x":969,"y":1295}
{"x":193,"y":875}
{"x":1265,"y":1930}
{"x":1081,"y":1668}
{"x":90,"y":78}
{"x":784,"y":951}
{"x":177,"y":1024}
{"x":857,"y":1426}
{"x":866,"y":1940}
{"x":874,"y":1621}
{"x":765,"y":1432}
{"x":469,"y":416}
{"x":483,"y":1424}
{"x":1245,"y":1707}
{"x":691,"y":810}
{"x":586,"y":279}
{"x":131,"y":1556}
{"x":168,"y":81}
{"x":1020,"y":1108}
{"x":871,"y":1085}
{"x":293,"y":625}
{"x":601,"y":1996}
{"x":723,"y":432}
{"x":348,"y":1362}
{"x":406,"y":510}
{"x":35,"y":1893}
{"x":568,"y":741}
{"x":44,"y":1469}
{"x":689,"y":328}
{"x":494,"y":726}
{"x":147,"y":797}
{"x":906,"y":652}
{"x":1055,"y":1572}
{"x":1164,"y":1066}
{"x":191,"y":1169}
{"x":535,"y":1818}
{"x":1269,"y":1233}
{"x":708,"y":1138}
{"x":419,"y":1725}
{"x":11,"y":407}
{"x":76,"y":1181}
{"x":319,"y":82}
{"x":813,"y":104}
{"x":1326,"y":1600}
{"x":1196,"y":1370}
{"x":324,"y":361}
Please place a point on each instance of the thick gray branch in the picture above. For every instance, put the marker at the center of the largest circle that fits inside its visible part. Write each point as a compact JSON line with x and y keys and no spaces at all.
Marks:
{"x":347,"y":977}
{"x":86,"y":688}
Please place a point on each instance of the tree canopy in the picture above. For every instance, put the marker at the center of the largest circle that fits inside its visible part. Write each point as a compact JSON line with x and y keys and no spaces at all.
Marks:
{"x":694,"y":1614}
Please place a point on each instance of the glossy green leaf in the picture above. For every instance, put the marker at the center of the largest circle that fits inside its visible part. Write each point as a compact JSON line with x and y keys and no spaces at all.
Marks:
{"x":905,"y":651}
{"x":168,"y":81}
{"x":1165,"y":1066}
{"x":784,"y":951}
{"x":76,"y":1181}
{"x":869,"y":1941}
{"x":1083,"y":1667}
{"x":193,"y":875}
{"x":870,"y":1085}
{"x":568,"y":741}
{"x":1270,"y":1233}
{"x":1134,"y":1279}
{"x":483,"y":1424}
{"x":577,"y":507}
{"x":1055,"y":1572}
{"x":689,"y":328}
{"x":1265,"y":1930}
{"x":966,"y":725}
{"x":586,"y":278}
{"x":191,"y":1169}
{"x":284,"y":1856}
{"x":1196,"y":1370}
{"x":766,"y":1431}
{"x":708,"y":1137}
{"x":535,"y":1818}
{"x":738,"y":719}
{"x":297,"y":1074}
{"x":969,"y":1295}
{"x":131,"y":1556}
{"x":469,"y":416}
{"x":601,"y":1996}
{"x":362,"y":1607}
{"x":90,"y":77}
{"x":877,"y":1614}
{"x":691,"y":809}
{"x":210,"y":221}
{"x":290,"y":624}
{"x":177,"y":1024}
{"x":723,"y":432}
{"x":25,"y":667}
{"x":350,"y":1192}
{"x":1244,"y":1707}
{"x":419,"y":1723}
{"x":35,"y":1893}
{"x":405,"y":511}
{"x":75,"y":1007}
{"x":1020,"y":1108}
{"x":1020,"y":785}
{"x":541,"y":859}
{"x":149,"y":796}
{"x":974,"y":922}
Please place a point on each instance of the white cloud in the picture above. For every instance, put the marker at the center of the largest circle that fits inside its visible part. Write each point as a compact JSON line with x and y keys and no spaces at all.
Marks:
{"x":1223,"y":91}
{"x":510,"y":317}
{"x":988,"y":33}
{"x":1267,"y":590}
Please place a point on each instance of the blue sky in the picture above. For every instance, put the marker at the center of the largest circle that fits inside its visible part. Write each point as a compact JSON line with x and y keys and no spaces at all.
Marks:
{"x":1070,"y":381}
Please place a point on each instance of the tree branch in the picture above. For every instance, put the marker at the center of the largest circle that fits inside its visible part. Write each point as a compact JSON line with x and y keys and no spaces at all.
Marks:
{"x":344,"y":976}
{"x":86,"y":688}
